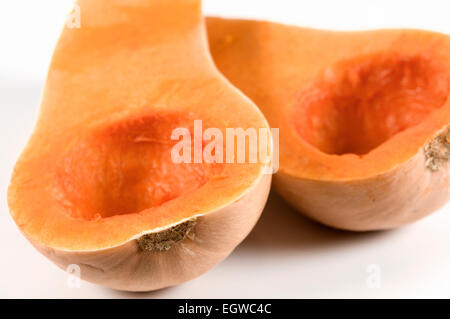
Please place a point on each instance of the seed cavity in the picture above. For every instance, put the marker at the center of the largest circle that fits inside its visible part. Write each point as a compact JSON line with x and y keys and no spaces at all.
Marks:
{"x":166,"y":239}
{"x":437,"y":152}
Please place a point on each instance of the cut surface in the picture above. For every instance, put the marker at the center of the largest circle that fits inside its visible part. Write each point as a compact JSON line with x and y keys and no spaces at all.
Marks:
{"x":349,"y":105}
{"x":127,"y":167}
{"x":357,"y":105}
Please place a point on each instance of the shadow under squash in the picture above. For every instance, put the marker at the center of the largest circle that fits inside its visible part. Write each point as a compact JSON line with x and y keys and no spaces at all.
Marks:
{"x":282,"y":228}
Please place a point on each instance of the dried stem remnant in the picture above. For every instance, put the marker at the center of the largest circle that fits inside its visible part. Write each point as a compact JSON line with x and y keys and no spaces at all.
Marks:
{"x":437,"y":152}
{"x":164,"y":240}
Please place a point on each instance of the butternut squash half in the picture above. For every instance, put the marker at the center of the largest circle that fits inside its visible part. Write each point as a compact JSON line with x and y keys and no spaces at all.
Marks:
{"x":97,"y":185}
{"x":364,"y":117}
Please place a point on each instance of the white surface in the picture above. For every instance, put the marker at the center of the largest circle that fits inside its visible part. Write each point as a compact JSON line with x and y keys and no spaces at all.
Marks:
{"x":286,"y":255}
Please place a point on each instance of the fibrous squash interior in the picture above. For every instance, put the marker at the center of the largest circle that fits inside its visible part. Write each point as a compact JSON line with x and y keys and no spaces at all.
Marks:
{"x":126,"y":167}
{"x":359,"y":104}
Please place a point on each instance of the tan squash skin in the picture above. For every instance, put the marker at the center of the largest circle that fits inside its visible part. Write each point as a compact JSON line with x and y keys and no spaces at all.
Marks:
{"x":398,"y":197}
{"x":128,"y":268}
{"x":389,"y":186}
{"x":96,"y":186}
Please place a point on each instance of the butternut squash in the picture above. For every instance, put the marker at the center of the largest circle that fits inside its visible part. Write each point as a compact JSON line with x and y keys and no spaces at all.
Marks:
{"x":97,"y":186}
{"x":364,"y":117}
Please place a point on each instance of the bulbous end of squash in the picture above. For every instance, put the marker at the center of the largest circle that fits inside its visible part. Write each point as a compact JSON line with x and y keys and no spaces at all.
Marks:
{"x":363,"y":116}
{"x":98,"y":185}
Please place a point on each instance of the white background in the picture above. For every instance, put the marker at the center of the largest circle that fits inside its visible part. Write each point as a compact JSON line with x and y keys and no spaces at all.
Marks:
{"x":286,"y":255}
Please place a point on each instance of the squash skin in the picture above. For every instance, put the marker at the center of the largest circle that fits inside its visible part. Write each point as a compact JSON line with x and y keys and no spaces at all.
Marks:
{"x":106,"y":249}
{"x":401,"y":196}
{"x":344,"y":192}
{"x":128,"y":268}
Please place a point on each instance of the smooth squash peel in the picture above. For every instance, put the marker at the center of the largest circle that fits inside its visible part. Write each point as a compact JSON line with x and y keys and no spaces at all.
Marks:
{"x":364,"y":117}
{"x":96,"y":185}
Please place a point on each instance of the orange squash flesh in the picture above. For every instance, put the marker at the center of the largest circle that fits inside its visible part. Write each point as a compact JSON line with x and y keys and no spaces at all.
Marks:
{"x":97,"y":174}
{"x":356,"y":106}
{"x":358,"y":112}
